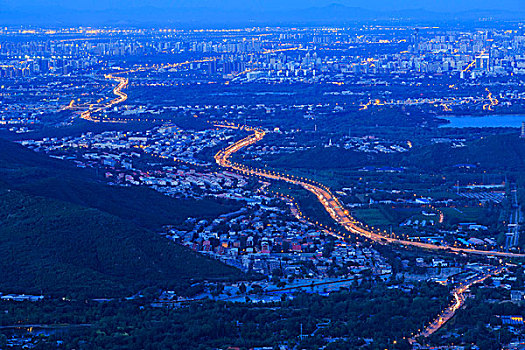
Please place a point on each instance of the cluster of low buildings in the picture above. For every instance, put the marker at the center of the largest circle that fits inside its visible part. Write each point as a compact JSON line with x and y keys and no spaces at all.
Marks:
{"x":265,"y":241}
{"x":263,"y":237}
{"x":164,"y":158}
{"x":371,"y":144}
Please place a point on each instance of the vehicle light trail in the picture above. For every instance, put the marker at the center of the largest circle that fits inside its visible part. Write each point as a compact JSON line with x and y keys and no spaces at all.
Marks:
{"x":121,"y":97}
{"x":122,"y":84}
{"x":330,"y":203}
{"x":459,"y":301}
{"x":473,"y":63}
{"x":493,"y":102}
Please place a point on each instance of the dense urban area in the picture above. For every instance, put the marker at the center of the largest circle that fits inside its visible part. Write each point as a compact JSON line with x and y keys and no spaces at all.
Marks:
{"x":355,"y":187}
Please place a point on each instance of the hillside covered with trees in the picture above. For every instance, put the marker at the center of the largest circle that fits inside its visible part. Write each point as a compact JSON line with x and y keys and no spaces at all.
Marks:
{"x":64,"y":233}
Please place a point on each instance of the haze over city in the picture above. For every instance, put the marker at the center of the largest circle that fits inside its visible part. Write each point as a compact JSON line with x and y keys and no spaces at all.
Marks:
{"x":236,"y":12}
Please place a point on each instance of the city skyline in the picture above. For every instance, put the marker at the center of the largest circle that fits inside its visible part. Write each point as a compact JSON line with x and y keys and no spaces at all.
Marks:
{"x":262,"y":175}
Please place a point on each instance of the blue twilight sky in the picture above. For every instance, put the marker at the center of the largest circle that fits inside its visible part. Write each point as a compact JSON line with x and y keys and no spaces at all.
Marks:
{"x":268,"y":5}
{"x":248,"y":12}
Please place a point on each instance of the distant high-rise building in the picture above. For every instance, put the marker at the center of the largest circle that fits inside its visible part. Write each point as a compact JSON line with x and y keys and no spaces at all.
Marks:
{"x":227,"y":67}
{"x":415,"y":39}
{"x":483,"y":62}
{"x":43,"y":65}
{"x":212,"y":67}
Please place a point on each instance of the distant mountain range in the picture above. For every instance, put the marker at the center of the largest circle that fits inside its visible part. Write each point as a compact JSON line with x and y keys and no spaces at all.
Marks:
{"x":208,"y":16}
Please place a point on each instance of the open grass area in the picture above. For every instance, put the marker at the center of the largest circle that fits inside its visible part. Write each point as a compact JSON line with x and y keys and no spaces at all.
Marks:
{"x":372,"y":217}
{"x":463,"y":214}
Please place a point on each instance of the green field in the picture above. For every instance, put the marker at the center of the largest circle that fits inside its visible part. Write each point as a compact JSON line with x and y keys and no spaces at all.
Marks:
{"x":372,"y":217}
{"x":464,"y":214}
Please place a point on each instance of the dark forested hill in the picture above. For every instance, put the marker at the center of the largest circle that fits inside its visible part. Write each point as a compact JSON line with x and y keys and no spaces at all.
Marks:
{"x":505,"y":152}
{"x":36,"y":174}
{"x":64,"y":233}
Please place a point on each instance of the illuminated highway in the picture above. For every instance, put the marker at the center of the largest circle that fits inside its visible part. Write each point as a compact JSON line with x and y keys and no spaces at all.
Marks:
{"x":493,"y":102}
{"x":121,"y":97}
{"x":459,"y":301}
{"x":122,"y":84}
{"x":330,"y":202}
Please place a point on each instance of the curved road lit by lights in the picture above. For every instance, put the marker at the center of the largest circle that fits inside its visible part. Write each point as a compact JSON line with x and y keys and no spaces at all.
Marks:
{"x":330,"y":202}
{"x":459,"y":301}
{"x":121,"y":97}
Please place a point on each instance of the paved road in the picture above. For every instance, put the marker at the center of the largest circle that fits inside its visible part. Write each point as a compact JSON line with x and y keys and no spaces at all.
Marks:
{"x":121,"y":97}
{"x":330,"y":202}
{"x":459,"y":301}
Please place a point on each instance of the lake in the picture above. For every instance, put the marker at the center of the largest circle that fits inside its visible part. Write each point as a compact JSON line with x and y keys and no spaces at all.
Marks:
{"x":491,"y":121}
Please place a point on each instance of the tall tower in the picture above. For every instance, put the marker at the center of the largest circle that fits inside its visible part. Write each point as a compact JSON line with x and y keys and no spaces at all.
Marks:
{"x":415,"y":38}
{"x":522,"y":136}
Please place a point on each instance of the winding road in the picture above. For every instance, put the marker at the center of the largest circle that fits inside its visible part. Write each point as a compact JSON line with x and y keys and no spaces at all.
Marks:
{"x":117,"y":90}
{"x":330,"y":202}
{"x":459,"y":301}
